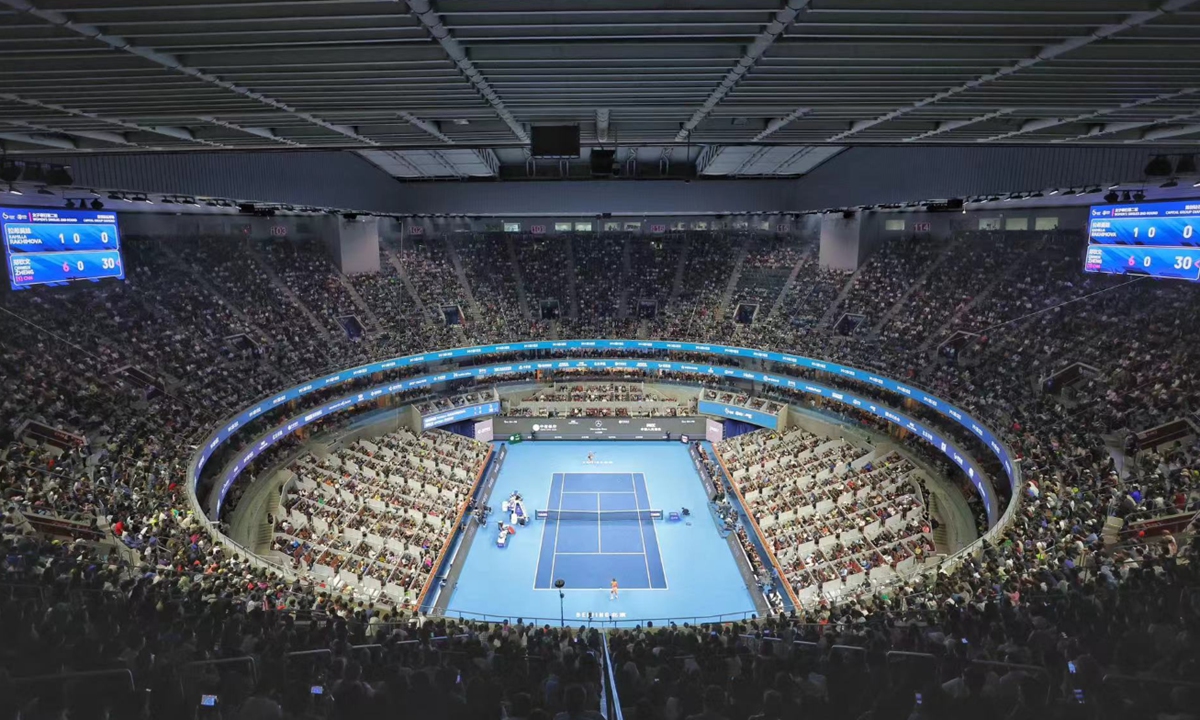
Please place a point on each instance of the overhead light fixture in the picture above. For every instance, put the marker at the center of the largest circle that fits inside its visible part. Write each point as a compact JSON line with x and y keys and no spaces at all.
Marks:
{"x":1139,"y":196}
{"x":93,"y":193}
{"x":1053,"y":192}
{"x":12,"y":189}
{"x":143,"y":199}
{"x":1186,"y":165}
{"x":1159,"y":166}
{"x":210,"y":202}
{"x":1196,"y":184}
{"x":1114,"y":186}
{"x":45,"y":191}
{"x":115,"y":196}
{"x":1170,"y":183}
{"x":97,"y":205}
{"x":461,"y":121}
{"x":1036,"y":194}
{"x":168,"y":200}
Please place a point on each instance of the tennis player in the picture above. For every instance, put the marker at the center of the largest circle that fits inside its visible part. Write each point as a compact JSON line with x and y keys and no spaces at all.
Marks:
{"x":591,"y":458}
{"x":612,"y":593}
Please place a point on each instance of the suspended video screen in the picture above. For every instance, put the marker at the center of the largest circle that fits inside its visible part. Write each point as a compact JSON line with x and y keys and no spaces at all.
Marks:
{"x":1160,"y":239}
{"x":44,"y":246}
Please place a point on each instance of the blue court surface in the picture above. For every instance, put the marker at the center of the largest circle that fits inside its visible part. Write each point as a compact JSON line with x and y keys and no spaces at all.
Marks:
{"x":599,"y":529}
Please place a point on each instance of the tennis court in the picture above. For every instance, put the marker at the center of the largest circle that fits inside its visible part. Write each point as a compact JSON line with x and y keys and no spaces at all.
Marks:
{"x":599,"y":526}
{"x":682,"y":570}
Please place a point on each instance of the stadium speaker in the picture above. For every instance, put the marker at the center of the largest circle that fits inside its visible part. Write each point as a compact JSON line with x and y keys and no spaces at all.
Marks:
{"x":604,"y":163}
{"x":34,"y":173}
{"x":1112,"y":197}
{"x":554,"y":141}
{"x":10,"y":171}
{"x":59,"y":175}
{"x":847,"y":214}
{"x":1159,"y":166}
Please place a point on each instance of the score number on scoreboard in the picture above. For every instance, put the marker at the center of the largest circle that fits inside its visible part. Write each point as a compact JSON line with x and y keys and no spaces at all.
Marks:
{"x":1154,"y":239}
{"x":44,"y":246}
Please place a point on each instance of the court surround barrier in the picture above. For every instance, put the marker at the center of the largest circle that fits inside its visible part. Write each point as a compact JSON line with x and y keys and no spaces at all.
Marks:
{"x":779,"y":576}
{"x":595,"y":619}
{"x":458,"y":518}
{"x":233,"y":424}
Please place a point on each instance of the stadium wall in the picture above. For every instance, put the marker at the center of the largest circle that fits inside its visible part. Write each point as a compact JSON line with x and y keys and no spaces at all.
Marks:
{"x":321,"y":178}
{"x":594,"y":197}
{"x":876,"y":175}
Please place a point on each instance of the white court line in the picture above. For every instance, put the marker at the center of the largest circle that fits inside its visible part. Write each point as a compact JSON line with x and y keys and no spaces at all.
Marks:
{"x":542,"y":543}
{"x":553,"y":552}
{"x":661,"y":560}
{"x":600,"y":553}
{"x":599,"y":533}
{"x":637,"y":506}
{"x":599,"y":492}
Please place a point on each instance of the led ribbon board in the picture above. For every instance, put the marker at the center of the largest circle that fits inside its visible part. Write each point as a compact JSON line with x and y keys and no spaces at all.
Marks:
{"x":959,"y":458}
{"x":736,"y":412}
{"x":438,"y":419}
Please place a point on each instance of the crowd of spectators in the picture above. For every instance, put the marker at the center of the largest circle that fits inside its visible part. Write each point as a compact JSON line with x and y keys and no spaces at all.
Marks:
{"x":652,"y":269}
{"x":1046,"y":592}
{"x":600,"y":275}
{"x":377,"y":513}
{"x":488,"y":265}
{"x":886,"y":275}
{"x":547,"y":275}
{"x":831,"y":512}
{"x":765,"y":271}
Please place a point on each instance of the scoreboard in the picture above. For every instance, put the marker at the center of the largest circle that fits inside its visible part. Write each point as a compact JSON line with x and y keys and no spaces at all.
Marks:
{"x":1155,"y":239}
{"x":45,"y":246}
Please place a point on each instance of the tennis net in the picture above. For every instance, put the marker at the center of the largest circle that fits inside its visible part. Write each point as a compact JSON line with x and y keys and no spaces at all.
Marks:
{"x":600,"y":515}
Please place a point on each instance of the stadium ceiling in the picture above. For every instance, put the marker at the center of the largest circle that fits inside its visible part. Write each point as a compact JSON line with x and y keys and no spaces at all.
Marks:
{"x":450,"y":88}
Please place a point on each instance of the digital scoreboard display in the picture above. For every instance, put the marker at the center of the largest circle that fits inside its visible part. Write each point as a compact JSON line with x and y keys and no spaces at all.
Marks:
{"x":1159,"y":239}
{"x":44,"y":246}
